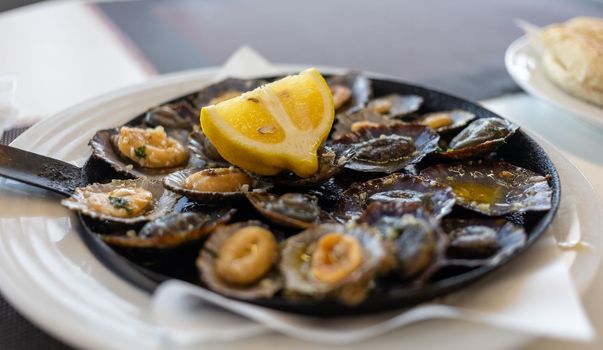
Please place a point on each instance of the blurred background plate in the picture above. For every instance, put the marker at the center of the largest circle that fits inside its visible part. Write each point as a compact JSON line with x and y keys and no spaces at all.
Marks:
{"x":524,"y":66}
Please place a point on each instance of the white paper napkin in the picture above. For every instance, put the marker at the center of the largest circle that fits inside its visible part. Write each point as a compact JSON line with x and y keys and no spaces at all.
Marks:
{"x":534,"y":294}
{"x":8,"y":111}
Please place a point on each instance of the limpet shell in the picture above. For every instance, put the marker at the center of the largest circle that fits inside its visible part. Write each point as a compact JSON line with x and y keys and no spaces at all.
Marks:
{"x":296,"y":260}
{"x":175,"y":183}
{"x":388,"y":148}
{"x":295,"y":210}
{"x":410,"y":192}
{"x":163,"y":200}
{"x":172,"y":230}
{"x":266,"y":287}
{"x":493,"y":189}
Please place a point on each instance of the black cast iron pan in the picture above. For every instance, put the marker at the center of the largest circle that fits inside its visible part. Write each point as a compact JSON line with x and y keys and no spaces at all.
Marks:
{"x":521,"y":150}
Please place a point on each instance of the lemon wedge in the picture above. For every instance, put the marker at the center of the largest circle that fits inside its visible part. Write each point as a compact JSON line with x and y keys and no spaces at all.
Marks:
{"x":276,"y":127}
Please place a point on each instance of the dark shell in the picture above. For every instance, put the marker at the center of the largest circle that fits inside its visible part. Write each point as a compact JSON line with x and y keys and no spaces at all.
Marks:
{"x":177,"y":115}
{"x":418,"y":240}
{"x":331,"y":160}
{"x":295,"y":264}
{"x":175,"y":183}
{"x":480,"y":138}
{"x":344,"y":122}
{"x":401,"y":105}
{"x":359,"y":85}
{"x":409,"y":192}
{"x":206,"y":95}
{"x":200,"y":146}
{"x":477,"y":242}
{"x":493,"y":189}
{"x":264,"y":288}
{"x":104,"y":147}
{"x":163,"y":201}
{"x":389,"y":148}
{"x":295,"y":210}
{"x":172,"y":230}
{"x":458,"y":117}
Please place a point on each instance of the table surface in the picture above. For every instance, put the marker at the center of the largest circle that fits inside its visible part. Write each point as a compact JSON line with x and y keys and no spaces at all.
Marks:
{"x":453,"y":46}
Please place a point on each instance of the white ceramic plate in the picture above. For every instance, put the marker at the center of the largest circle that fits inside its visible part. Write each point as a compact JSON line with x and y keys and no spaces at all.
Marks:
{"x":524,"y":66}
{"x":49,"y":275}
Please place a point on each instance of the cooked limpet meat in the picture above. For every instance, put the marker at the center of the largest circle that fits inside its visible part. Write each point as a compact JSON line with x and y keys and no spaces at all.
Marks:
{"x":332,"y":261}
{"x":395,"y":105}
{"x":172,"y":230}
{"x":476,"y":242}
{"x":290,"y":209}
{"x":388,"y":148}
{"x":167,"y":153}
{"x":246,"y":256}
{"x":493,"y":189}
{"x":219,"y":180}
{"x":239,"y":260}
{"x":151,"y":148}
{"x":341,"y":95}
{"x":437,"y":121}
{"x":355,"y":121}
{"x":336,"y":256}
{"x":213,"y":186}
{"x":123,"y":201}
{"x":446,"y":121}
{"x":480,"y":138}
{"x":410,"y":192}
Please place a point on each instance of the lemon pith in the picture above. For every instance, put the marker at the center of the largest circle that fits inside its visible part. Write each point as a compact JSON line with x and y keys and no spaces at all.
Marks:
{"x":276,"y":127}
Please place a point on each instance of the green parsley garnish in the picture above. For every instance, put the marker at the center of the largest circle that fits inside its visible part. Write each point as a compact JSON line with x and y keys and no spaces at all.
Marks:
{"x":119,"y":203}
{"x":140,"y":152}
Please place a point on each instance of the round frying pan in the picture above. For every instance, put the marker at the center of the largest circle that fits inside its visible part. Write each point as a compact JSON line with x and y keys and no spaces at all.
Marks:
{"x":521,"y":150}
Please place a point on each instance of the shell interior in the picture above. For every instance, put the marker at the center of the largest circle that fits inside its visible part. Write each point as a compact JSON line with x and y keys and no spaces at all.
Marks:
{"x":163,"y":200}
{"x":410,"y":192}
{"x":493,"y":189}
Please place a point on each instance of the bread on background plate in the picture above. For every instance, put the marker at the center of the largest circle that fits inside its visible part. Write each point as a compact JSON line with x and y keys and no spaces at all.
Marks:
{"x":574,"y":57}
